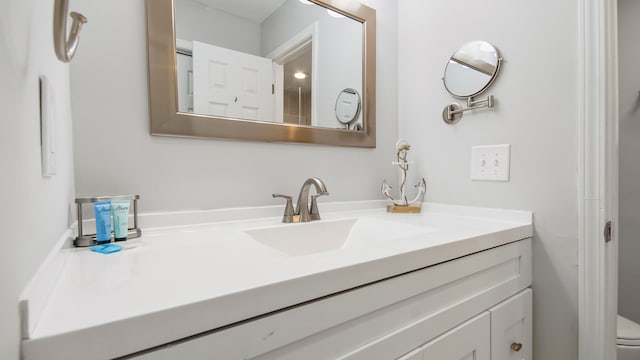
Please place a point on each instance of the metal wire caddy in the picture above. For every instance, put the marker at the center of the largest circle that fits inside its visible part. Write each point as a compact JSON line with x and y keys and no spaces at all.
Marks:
{"x":83,"y":240}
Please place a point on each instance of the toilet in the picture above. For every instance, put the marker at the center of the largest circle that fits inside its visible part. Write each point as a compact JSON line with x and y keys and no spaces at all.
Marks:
{"x":628,"y":341}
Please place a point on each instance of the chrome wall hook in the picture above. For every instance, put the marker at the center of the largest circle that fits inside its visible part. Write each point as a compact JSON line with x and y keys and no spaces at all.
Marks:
{"x":452,"y":113}
{"x":65,"y":48}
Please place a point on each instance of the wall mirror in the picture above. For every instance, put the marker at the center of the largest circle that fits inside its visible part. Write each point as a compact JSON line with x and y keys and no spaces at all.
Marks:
{"x":468,"y":73}
{"x":261,"y":70}
{"x":348,"y":105}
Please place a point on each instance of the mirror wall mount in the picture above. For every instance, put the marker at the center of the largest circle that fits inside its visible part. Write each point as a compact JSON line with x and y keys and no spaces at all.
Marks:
{"x":452,"y":113}
{"x":166,"y":120}
{"x":469,"y":72}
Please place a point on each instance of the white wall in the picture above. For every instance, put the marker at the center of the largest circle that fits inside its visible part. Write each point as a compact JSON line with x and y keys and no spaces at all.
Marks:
{"x":337,"y":57}
{"x":115,"y":153}
{"x":26,"y":51}
{"x":536,"y":112}
{"x":629,"y":210}
{"x":195,"y":21}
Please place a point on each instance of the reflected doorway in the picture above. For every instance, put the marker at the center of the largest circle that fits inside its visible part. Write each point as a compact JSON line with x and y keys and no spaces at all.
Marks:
{"x":297,"y":88}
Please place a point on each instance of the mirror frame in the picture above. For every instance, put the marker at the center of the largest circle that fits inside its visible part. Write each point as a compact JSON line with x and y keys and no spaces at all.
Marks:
{"x":166,"y":120}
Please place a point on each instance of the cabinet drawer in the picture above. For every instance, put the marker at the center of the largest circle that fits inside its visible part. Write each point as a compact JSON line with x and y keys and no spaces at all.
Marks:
{"x":467,"y":341}
{"x":511,"y":337}
{"x":414,"y":355}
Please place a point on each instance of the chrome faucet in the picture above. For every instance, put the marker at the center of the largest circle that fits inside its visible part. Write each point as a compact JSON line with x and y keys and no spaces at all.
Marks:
{"x":303,"y":212}
{"x":309,"y":214}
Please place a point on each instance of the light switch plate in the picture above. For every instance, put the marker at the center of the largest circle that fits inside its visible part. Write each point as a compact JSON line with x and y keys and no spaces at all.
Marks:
{"x":47,"y":127}
{"x":490,"y":162}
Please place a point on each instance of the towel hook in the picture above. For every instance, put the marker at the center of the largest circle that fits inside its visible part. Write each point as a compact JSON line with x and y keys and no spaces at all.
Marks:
{"x":66,"y":47}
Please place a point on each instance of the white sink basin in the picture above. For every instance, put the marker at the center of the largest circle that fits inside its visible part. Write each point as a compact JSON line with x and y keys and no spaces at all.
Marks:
{"x":320,"y":236}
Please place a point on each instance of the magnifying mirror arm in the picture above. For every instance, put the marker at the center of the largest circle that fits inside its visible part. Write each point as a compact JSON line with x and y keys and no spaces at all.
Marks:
{"x":453,"y":112}
{"x":488,"y":102}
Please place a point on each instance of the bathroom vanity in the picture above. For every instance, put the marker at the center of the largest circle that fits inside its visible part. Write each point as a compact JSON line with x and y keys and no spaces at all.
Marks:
{"x":449,"y":283}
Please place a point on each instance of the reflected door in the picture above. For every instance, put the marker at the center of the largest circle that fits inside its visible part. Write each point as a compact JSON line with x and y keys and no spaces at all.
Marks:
{"x":231,"y":84}
{"x":185,"y":82}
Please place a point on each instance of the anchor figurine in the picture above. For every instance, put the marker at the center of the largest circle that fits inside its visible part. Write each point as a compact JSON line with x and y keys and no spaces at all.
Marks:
{"x":404,"y":205}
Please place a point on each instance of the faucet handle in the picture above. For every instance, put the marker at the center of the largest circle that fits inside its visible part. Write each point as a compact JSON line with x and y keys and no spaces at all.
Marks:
{"x":314,"y":213}
{"x":288,"y":208}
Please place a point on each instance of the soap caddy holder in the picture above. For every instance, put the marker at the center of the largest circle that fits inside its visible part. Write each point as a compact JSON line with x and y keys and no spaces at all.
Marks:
{"x":84,"y":240}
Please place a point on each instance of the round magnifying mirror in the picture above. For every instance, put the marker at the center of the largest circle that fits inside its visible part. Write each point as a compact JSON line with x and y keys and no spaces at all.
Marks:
{"x":471,"y":69}
{"x":348,"y":106}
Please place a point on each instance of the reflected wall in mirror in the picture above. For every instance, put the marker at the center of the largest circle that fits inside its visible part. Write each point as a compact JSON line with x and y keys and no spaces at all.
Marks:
{"x":261,"y":70}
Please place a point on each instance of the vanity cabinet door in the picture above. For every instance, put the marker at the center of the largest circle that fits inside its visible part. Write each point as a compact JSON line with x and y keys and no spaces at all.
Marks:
{"x":511,"y":331}
{"x":467,"y":341}
{"x":414,"y":355}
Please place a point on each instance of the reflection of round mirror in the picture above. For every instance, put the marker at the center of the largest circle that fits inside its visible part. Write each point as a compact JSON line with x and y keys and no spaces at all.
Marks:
{"x":471,"y":69}
{"x":347,"y":106}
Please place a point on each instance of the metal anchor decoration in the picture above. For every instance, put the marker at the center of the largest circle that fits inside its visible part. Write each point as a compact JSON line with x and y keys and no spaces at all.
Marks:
{"x":404,"y":205}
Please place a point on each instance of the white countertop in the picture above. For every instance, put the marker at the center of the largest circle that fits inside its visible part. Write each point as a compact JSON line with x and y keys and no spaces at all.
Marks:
{"x":184,"y":280}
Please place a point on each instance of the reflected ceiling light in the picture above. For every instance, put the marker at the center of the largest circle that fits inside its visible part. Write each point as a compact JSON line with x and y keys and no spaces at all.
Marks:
{"x":306,"y":2}
{"x":300,"y":75}
{"x":334,"y":14}
{"x":348,"y":5}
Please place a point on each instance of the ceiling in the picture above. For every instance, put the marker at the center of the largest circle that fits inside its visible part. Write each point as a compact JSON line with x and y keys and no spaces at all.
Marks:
{"x":254,"y":10}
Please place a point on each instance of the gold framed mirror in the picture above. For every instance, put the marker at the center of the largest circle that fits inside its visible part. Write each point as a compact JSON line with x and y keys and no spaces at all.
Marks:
{"x":169,"y":118}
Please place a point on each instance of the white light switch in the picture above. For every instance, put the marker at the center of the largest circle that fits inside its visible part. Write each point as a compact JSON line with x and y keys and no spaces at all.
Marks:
{"x":490,"y":162}
{"x":47,"y":127}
